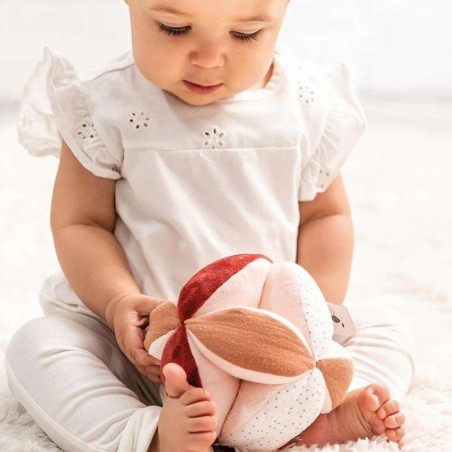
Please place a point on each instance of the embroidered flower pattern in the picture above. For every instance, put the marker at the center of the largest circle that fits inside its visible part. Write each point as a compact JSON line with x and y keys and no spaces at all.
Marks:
{"x":324,"y":175}
{"x":26,"y":121}
{"x":213,"y":138}
{"x":86,"y":132}
{"x":139,"y":120}
{"x":337,"y":116}
{"x":306,"y":94}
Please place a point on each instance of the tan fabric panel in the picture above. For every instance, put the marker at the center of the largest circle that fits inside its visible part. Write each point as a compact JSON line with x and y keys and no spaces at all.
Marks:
{"x":338,"y":373}
{"x":163,"y":319}
{"x":253,"y":341}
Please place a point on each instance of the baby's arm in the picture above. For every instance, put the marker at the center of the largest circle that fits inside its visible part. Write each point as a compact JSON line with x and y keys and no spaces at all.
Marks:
{"x":325,"y":240}
{"x":82,"y":220}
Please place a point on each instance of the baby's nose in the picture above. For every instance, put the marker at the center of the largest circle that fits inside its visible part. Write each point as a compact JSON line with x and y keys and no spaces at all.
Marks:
{"x":208,"y":55}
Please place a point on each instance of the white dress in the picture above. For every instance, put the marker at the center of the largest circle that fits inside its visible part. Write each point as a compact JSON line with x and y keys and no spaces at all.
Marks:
{"x":193,"y":184}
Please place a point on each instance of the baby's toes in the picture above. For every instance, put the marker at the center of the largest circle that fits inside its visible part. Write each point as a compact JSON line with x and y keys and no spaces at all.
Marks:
{"x":194,"y":395}
{"x":394,"y":420}
{"x":202,"y":424}
{"x":378,"y":426}
{"x":389,"y":407}
{"x":374,"y":397}
{"x":395,"y":434}
{"x":205,"y":408}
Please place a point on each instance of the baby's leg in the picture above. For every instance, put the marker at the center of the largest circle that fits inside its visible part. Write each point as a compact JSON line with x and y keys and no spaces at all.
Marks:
{"x":384,"y":368}
{"x":382,"y":349}
{"x":68,"y":372}
{"x":187,"y":420}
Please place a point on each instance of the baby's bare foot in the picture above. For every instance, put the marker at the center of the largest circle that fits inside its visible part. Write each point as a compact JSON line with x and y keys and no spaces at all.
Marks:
{"x":364,"y":413}
{"x":187,"y":422}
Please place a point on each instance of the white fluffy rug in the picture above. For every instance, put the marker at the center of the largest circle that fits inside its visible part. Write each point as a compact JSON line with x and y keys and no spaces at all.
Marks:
{"x":399,"y":184}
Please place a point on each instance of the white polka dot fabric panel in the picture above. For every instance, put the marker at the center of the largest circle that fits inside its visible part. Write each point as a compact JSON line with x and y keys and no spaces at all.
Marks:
{"x":265,"y":417}
{"x":288,"y":412}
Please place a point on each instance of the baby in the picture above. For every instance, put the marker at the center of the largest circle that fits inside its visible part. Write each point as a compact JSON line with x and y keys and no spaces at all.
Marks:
{"x":206,"y":139}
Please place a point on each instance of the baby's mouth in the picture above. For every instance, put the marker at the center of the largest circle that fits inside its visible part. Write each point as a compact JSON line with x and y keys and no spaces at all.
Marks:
{"x":201,"y":89}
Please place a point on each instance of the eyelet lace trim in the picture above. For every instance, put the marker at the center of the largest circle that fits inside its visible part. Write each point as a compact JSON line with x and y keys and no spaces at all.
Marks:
{"x":213,"y":138}
{"x":328,"y":158}
{"x":306,"y":94}
{"x":140,"y":120}
{"x":27,"y":121}
{"x":85,"y":132}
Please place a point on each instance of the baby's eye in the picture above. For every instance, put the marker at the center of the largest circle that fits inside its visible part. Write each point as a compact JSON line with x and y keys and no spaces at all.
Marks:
{"x":173,"y":31}
{"x":247,"y":37}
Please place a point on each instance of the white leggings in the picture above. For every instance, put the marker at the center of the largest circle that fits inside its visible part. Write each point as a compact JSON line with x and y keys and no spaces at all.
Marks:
{"x":67,"y":370}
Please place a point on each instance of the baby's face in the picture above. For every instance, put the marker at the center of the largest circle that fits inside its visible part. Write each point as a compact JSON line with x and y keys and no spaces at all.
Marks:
{"x":210,"y":42}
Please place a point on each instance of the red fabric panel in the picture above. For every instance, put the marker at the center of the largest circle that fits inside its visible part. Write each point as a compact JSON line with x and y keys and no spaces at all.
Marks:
{"x":177,"y":350}
{"x":206,"y":281}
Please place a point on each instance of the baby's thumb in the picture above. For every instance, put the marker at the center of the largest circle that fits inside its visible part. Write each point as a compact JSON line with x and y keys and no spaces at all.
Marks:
{"x":145,"y":304}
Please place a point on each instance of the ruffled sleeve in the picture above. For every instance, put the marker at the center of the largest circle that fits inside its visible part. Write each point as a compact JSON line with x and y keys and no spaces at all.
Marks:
{"x":56,"y":105}
{"x":339,"y":123}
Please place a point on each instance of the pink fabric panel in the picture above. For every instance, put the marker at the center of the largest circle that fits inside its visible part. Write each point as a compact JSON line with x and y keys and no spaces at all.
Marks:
{"x":244,"y":288}
{"x":281,"y":295}
{"x":207,"y":280}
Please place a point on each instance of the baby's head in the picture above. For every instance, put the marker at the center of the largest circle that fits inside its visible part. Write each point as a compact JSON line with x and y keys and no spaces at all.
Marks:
{"x":207,"y":42}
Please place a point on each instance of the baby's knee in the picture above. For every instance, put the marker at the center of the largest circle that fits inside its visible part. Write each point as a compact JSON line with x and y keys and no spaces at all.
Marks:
{"x":40,"y":339}
{"x":386,"y":328}
{"x":380,"y":319}
{"x":28,"y":342}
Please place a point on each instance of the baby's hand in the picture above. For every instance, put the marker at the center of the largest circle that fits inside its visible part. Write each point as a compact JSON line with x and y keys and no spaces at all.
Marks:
{"x":129,"y":317}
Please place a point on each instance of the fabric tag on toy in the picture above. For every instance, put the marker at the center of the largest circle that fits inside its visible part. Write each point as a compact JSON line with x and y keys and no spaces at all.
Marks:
{"x":342,"y":322}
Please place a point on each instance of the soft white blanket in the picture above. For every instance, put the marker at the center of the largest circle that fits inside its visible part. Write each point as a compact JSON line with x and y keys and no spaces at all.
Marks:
{"x":399,"y":184}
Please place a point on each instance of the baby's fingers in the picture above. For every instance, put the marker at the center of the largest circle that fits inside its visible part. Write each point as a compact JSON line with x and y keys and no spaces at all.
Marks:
{"x":151,"y":371}
{"x":143,"y":359}
{"x":153,"y":374}
{"x":146,"y":364}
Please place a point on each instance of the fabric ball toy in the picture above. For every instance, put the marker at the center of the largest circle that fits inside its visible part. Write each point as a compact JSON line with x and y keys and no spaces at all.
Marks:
{"x":258,"y":336}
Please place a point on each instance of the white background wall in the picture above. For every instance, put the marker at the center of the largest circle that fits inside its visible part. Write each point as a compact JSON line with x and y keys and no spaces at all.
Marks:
{"x":397,"y":49}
